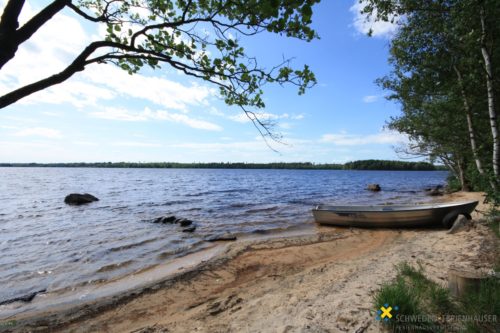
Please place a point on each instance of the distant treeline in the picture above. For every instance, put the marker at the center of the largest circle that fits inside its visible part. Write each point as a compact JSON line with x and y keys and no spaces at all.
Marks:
{"x":391,"y":165}
{"x":356,"y":165}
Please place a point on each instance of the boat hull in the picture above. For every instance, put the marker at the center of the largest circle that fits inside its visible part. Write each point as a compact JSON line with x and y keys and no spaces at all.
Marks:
{"x":392,"y":216}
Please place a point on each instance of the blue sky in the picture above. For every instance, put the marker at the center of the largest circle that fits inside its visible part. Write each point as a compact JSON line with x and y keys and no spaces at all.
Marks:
{"x":104,"y":114}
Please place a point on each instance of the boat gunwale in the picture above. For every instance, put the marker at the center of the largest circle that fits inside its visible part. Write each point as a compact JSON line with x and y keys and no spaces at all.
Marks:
{"x":397,"y":208}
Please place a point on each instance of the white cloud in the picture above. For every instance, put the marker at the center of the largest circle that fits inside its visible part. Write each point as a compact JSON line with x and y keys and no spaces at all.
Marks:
{"x":285,"y":125}
{"x":298,"y":116}
{"x":160,"y":91}
{"x":77,"y":93}
{"x":122,"y":114}
{"x":370,"y":98}
{"x":148,"y":114}
{"x":85,"y":143}
{"x":136,"y":144}
{"x":40,"y":131}
{"x":263,"y":116}
{"x":191,"y":122}
{"x":345,"y":139}
{"x":8,"y":127}
{"x":364,"y":24}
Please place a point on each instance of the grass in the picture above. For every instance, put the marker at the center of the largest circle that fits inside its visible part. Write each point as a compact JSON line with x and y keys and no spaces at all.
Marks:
{"x":494,"y":223}
{"x":424,"y":306}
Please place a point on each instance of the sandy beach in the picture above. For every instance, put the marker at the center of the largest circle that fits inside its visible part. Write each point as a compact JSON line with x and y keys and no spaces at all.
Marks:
{"x":320,"y":281}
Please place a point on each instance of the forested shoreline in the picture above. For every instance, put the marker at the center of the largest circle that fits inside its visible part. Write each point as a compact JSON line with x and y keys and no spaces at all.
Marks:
{"x":355,"y":165}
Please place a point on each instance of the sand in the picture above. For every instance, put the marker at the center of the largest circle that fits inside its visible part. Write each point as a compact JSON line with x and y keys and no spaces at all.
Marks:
{"x":319,"y":282}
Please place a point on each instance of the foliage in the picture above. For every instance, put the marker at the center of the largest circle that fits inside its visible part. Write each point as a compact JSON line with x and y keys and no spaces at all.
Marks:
{"x":389,"y":165}
{"x":202,"y":39}
{"x":438,"y":77}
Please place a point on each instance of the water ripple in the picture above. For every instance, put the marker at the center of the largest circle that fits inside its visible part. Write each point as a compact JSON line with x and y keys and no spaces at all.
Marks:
{"x":47,"y":244}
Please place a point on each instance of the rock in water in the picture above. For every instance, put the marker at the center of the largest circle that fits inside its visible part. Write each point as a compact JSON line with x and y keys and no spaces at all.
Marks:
{"x":184,"y":222}
{"x":26,"y":298}
{"x":168,"y":219}
{"x":373,"y":187}
{"x":79,"y":199}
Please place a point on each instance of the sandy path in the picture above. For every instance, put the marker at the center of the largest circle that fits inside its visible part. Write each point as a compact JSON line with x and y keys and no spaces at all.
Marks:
{"x":320,"y":283}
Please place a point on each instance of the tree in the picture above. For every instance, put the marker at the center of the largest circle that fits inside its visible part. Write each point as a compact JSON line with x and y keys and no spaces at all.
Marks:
{"x":199,"y":38}
{"x":444,"y":79}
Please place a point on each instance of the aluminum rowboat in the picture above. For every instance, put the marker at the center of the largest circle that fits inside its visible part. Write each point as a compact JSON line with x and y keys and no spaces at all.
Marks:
{"x":393,"y":215}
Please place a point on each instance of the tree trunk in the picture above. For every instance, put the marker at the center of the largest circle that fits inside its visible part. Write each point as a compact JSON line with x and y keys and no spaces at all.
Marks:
{"x":8,"y":26}
{"x":468,"y":113}
{"x":461,"y":282}
{"x":461,"y":176}
{"x":491,"y":102}
{"x":11,"y":36}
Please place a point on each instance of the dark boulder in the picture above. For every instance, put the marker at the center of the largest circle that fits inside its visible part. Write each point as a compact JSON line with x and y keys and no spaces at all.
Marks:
{"x":184,"y":222}
{"x":168,"y":219}
{"x":79,"y":199}
{"x":165,"y":219}
{"x":373,"y":187}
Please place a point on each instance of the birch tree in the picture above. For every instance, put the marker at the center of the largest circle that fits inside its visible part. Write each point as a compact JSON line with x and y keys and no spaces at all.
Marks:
{"x":442,"y":53}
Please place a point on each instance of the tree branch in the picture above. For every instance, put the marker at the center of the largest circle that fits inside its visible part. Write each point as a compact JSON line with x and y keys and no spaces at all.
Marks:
{"x":28,"y":29}
{"x":9,"y":21}
{"x":10,"y":39}
{"x":76,"y":66}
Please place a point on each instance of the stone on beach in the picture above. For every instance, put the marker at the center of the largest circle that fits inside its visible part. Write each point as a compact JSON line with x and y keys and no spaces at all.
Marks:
{"x":79,"y":199}
{"x":460,"y":223}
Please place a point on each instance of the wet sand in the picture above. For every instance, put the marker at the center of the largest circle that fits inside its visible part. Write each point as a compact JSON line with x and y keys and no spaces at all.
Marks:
{"x":309,"y":281}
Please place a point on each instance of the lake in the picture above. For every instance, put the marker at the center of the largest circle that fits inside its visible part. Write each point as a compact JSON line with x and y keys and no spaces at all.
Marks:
{"x":46,"y":244}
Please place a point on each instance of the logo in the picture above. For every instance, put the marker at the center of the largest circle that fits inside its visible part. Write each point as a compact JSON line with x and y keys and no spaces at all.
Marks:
{"x":385,"y":312}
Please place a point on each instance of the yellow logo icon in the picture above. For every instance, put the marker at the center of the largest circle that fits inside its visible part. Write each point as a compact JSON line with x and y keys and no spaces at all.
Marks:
{"x":385,"y":312}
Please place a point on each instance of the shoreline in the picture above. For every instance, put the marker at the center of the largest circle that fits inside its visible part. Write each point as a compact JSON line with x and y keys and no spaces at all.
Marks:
{"x":227,"y":281}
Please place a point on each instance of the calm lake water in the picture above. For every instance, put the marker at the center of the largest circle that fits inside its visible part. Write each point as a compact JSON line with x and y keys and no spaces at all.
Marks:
{"x":46,"y":244}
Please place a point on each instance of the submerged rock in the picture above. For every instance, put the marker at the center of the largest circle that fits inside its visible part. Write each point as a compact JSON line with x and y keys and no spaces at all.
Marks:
{"x":181,"y":222}
{"x":166,"y":219}
{"x":373,"y":187}
{"x":190,"y":229}
{"x":184,"y":222}
{"x":79,"y":199}
{"x":226,"y":237}
{"x":26,"y":298}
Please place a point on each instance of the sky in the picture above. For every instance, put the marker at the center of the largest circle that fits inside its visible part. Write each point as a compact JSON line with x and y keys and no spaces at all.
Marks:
{"x":105,"y":114}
